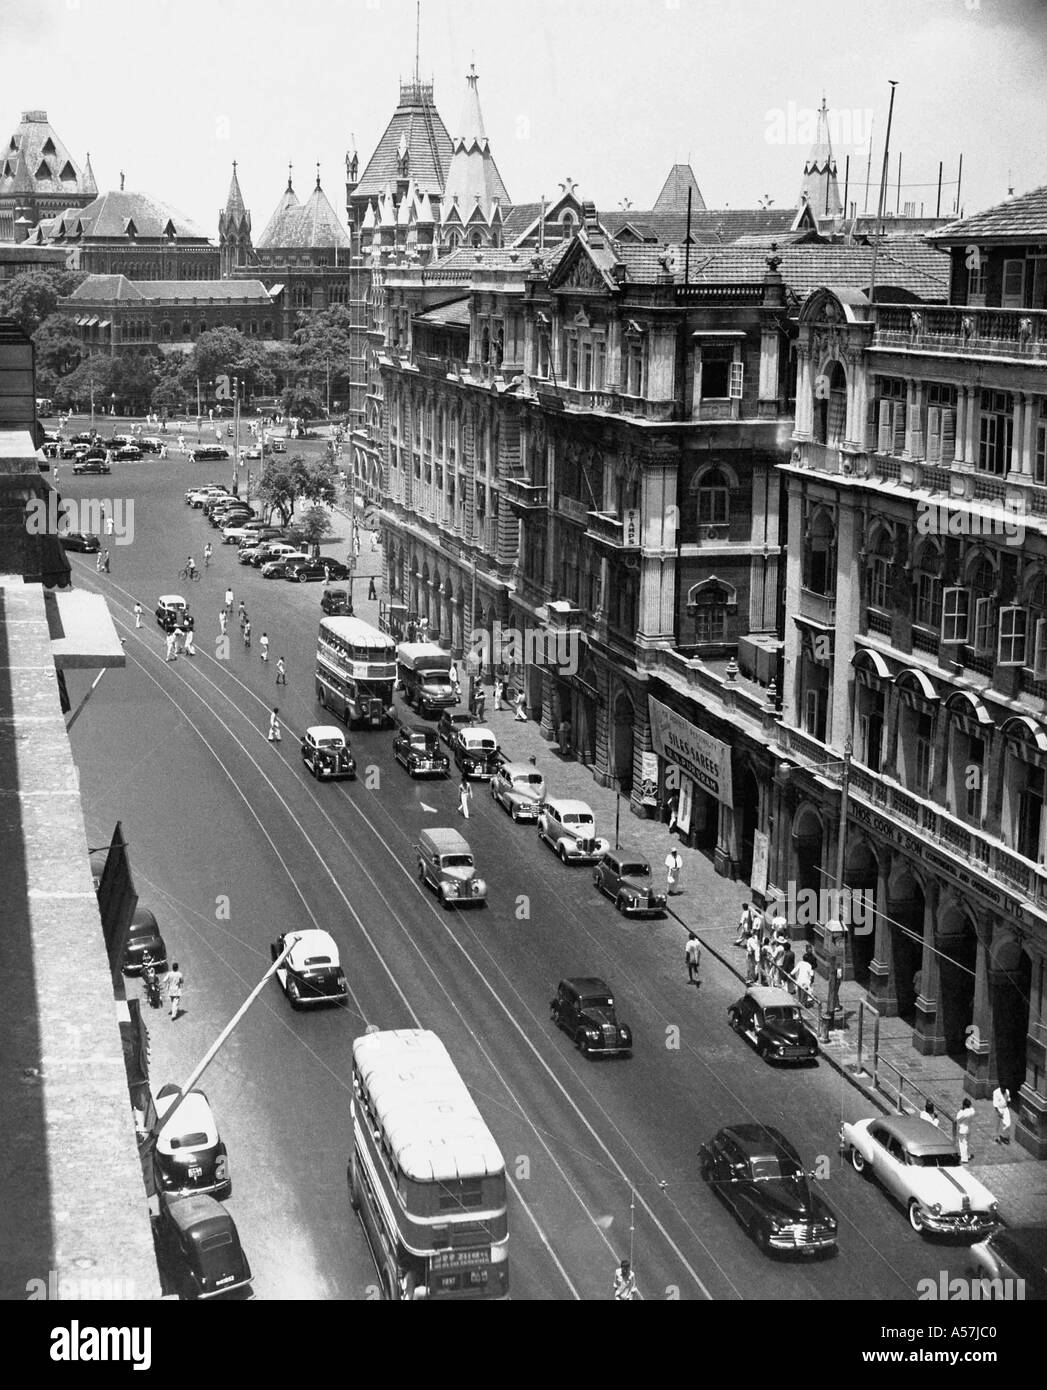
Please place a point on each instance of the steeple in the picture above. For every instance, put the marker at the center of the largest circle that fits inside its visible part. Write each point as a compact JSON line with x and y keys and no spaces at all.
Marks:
{"x":88,"y":184}
{"x":473,"y":181}
{"x":234,"y":231}
{"x":234,"y":204}
{"x":820,"y":186}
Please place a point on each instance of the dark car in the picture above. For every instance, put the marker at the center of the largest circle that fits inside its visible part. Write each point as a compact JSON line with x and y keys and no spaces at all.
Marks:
{"x":50,"y":449}
{"x":172,"y":612}
{"x":229,"y":516}
{"x":771,"y":1020}
{"x":475,"y":750}
{"x":277,"y":568}
{"x":199,"y":1249}
{"x":335,"y":603}
{"x":128,"y":453}
{"x":450,"y":722}
{"x":80,"y":540}
{"x":143,"y":935}
{"x":302,"y":571}
{"x":207,"y":453}
{"x":627,"y":879}
{"x":584,"y":1009}
{"x":759,"y":1175}
{"x":91,"y":465}
{"x":336,"y":570}
{"x":326,"y":753}
{"x":1013,"y":1257}
{"x":252,"y":554}
{"x":189,"y":1154}
{"x":84,"y":437}
{"x":312,"y":973}
{"x":417,"y":747}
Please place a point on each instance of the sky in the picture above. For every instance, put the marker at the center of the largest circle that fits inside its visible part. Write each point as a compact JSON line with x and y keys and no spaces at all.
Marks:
{"x":606,"y":93}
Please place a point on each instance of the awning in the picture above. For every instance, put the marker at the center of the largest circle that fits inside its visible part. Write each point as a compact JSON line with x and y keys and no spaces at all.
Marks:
{"x":912,"y":676}
{"x":1023,"y":727}
{"x":104,"y":323}
{"x":91,"y":322}
{"x":276,"y":289}
{"x":867,"y":659}
{"x":83,"y":636}
{"x":963,"y":702}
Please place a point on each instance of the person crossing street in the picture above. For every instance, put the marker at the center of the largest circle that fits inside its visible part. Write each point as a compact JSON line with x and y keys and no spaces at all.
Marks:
{"x":693,"y":956}
{"x":274,"y":726}
{"x":138,"y":614}
{"x":281,"y":671}
{"x":263,"y":642}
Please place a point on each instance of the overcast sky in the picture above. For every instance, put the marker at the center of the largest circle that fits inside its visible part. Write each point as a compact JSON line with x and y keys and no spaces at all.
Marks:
{"x":608,"y":92}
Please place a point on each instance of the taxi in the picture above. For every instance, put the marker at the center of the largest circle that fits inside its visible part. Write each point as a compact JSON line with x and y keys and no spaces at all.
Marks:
{"x":189,"y":1154}
{"x":326,"y":753}
{"x":520,"y":789}
{"x":172,"y":611}
{"x":200,"y":1249}
{"x":312,"y":973}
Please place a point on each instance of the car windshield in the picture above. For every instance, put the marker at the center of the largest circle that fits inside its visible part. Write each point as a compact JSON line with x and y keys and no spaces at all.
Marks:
{"x":331,"y":743}
{"x":769,"y":1167}
{"x":317,"y":960}
{"x":572,"y":819}
{"x":598,"y":1001}
{"x":529,"y":779}
{"x":189,"y":1141}
{"x":457,"y":861}
{"x":939,"y":1159}
{"x":636,"y":868}
{"x":781,"y":1013}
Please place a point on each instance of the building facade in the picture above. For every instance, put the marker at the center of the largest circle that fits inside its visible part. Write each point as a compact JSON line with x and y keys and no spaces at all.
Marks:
{"x":114,"y":314}
{"x":39,"y":178}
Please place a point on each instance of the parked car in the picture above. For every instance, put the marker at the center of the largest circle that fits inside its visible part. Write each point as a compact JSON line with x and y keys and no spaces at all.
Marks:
{"x":189,"y":1154}
{"x":475,"y":750}
{"x":50,"y":449}
{"x":150,"y":444}
{"x":920,"y":1167}
{"x":207,"y":453}
{"x":254,"y":452}
{"x":584,"y":1009}
{"x":326,"y":753}
{"x":233,"y":532}
{"x":259,"y":534}
{"x":758,"y":1174}
{"x":446,"y":864}
{"x":91,"y":465}
{"x":450,"y":722}
{"x":143,"y":935}
{"x":84,"y":437}
{"x":771,"y":1020}
{"x":277,"y":569}
{"x":127,"y":453}
{"x":79,"y":540}
{"x":120,"y":441}
{"x":69,"y":450}
{"x":1012,"y":1253}
{"x":417,"y":747}
{"x":276,"y":446}
{"x":199,"y":1247}
{"x":252,"y":554}
{"x":335,"y":603}
{"x":627,"y":879}
{"x":312,"y":973}
{"x":304,"y":571}
{"x":226,"y":515}
{"x":197,"y":496}
{"x":569,"y":828}
{"x":335,"y":569}
{"x":520,"y":789}
{"x":172,"y":611}
{"x":274,"y":550}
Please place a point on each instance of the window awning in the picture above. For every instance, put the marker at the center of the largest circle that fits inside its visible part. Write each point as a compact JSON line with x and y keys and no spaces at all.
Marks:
{"x":963,"y":702}
{"x":104,"y":323}
{"x":912,"y":676}
{"x":91,"y":322}
{"x":1023,"y":727}
{"x":867,"y":659}
{"x":83,"y":636}
{"x":276,"y":289}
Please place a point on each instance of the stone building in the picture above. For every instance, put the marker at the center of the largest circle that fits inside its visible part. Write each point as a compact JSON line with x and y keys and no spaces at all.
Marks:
{"x":39,"y":178}
{"x":114,"y":314}
{"x":916,"y":636}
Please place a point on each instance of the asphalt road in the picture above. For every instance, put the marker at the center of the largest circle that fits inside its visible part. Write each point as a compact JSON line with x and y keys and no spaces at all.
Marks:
{"x":232,"y":842}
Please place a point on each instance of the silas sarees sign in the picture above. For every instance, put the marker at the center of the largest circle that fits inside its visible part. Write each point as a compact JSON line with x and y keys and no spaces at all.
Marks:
{"x":706,"y":760}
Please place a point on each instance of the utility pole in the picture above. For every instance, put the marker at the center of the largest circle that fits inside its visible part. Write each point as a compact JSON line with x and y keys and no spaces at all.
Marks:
{"x":883,"y":194}
{"x":832,"y":1002}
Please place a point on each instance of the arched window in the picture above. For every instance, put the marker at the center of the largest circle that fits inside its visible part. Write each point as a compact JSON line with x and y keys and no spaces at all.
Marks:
{"x":714,"y":499}
{"x":709,"y":604}
{"x":568,"y":224}
{"x":819,"y":553}
{"x":830,"y":405}
{"x":477,"y":239}
{"x":928,"y":580}
{"x":881,"y":567}
{"x":187,"y":329}
{"x":982,"y":582}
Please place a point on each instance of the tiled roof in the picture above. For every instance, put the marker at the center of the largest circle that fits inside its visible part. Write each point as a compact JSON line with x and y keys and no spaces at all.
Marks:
{"x":1018,"y":219}
{"x":673,"y":197}
{"x":45,"y":157}
{"x":713,"y":226}
{"x":108,"y":289}
{"x":915,"y":268}
{"x":457,"y":313}
{"x":427,"y":166}
{"x":304,"y":226}
{"x":489,"y":258}
{"x":108,"y":215}
{"x":274,"y":227}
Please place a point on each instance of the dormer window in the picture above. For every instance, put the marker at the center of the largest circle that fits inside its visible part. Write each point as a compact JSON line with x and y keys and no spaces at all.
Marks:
{"x":49,"y":146}
{"x":68,"y":174}
{"x":44,"y":170}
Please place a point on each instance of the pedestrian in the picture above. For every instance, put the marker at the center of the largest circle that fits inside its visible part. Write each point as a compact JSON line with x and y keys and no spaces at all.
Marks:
{"x":931,"y":1115}
{"x":521,"y":702}
{"x":189,"y":649}
{"x":479,"y":701}
{"x":138,"y":614}
{"x":752,"y":959}
{"x":805,"y":979}
{"x":274,"y":726}
{"x":356,"y":542}
{"x":456,"y":684}
{"x":1001,"y":1103}
{"x":625,"y":1290}
{"x":745,"y":925}
{"x":964,"y":1116}
{"x":229,"y":600}
{"x":372,"y":592}
{"x":263,"y":642}
{"x":788,"y":967}
{"x":673,"y":865}
{"x":281,"y":671}
{"x":171,"y":654}
{"x":208,"y":552}
{"x":766,"y":961}
{"x":163,"y":451}
{"x":465,"y":795}
{"x":693,"y":955}
{"x":777,"y":957}
{"x":498,"y":691}
{"x":173,"y":983}
{"x":247,"y":632}
{"x":99,"y":562}
{"x":54,"y":474}
{"x":222,"y":620}
{"x":110,"y":526}
{"x":179,"y":637}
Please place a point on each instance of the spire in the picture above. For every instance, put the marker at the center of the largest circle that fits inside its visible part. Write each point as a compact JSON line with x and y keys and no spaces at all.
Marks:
{"x":88,"y":181}
{"x":471,"y":122}
{"x":473,"y":181}
{"x":318,"y":176}
{"x":820,"y":187}
{"x":234,"y":204}
{"x":290,"y":166}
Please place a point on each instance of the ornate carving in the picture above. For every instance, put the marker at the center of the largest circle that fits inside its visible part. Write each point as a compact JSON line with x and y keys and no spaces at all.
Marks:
{"x":583,"y":275}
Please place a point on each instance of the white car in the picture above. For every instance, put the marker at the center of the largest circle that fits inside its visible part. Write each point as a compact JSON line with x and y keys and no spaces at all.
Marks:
{"x":197,"y":496}
{"x":312,"y":973}
{"x":520,"y":788}
{"x":190,"y":1156}
{"x":918,"y":1165}
{"x":568,"y":828}
{"x":234,"y":534}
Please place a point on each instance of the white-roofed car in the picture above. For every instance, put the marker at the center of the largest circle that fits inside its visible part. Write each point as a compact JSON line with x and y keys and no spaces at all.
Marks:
{"x":189,"y":1154}
{"x":569,"y":828}
{"x":312,"y":973}
{"x":172,"y":611}
{"x":326,"y":753}
{"x":520,"y":788}
{"x":475,"y":750}
{"x":919,"y":1166}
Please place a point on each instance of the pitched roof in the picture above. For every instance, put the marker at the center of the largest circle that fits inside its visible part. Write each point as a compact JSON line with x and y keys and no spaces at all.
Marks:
{"x":310,"y":226}
{"x":457,"y":313}
{"x":108,"y":289}
{"x":709,"y":226}
{"x":916,"y":269}
{"x":417,"y":121}
{"x":108,"y":216}
{"x":1018,"y":219}
{"x":472,"y":177}
{"x":274,"y":228}
{"x":673,"y":197}
{"x":820,"y":187}
{"x":48,"y":166}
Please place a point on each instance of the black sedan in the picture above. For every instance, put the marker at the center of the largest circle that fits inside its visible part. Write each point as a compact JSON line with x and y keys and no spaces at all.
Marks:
{"x":302,"y":571}
{"x":450,"y":722}
{"x":312,"y":973}
{"x":758,"y":1174}
{"x":91,"y":465}
{"x":417,"y":747}
{"x":336,"y":570}
{"x":335,"y":603}
{"x":584,"y":1009}
{"x":626,"y":879}
{"x":771,"y":1020}
{"x":80,"y":540}
{"x":143,"y":936}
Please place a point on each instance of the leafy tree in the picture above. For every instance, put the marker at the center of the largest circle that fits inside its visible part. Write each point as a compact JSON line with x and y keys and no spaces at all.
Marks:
{"x":32,"y":297}
{"x":302,"y":402}
{"x":314,"y":524}
{"x":286,"y":480}
{"x":225,"y":352}
{"x":173,"y":392}
{"x":91,"y":378}
{"x":59,"y":351}
{"x":322,"y":350}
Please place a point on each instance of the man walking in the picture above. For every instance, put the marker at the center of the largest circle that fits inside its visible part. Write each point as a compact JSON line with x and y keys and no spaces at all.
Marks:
{"x":189,"y":648}
{"x":465,"y":795}
{"x":745,"y":924}
{"x":222,"y":620}
{"x":179,"y":640}
{"x":173,"y":983}
{"x":281,"y":671}
{"x":752,"y":958}
{"x":105,"y":562}
{"x":964,"y":1117}
{"x":138,"y":614}
{"x":229,"y":600}
{"x":372,"y":592}
{"x":263,"y":642}
{"x":788,"y":967}
{"x":171,"y":655}
{"x":673,"y":865}
{"x":805,"y":978}
{"x":110,"y":526}
{"x":247,"y":631}
{"x":693,"y":955}
{"x":242,"y":614}
{"x":521,"y":702}
{"x":1001,"y":1103}
{"x":274,"y":726}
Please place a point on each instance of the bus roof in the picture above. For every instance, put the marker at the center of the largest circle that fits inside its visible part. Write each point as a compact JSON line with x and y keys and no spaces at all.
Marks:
{"x":356,"y":632}
{"x":425,"y":1108}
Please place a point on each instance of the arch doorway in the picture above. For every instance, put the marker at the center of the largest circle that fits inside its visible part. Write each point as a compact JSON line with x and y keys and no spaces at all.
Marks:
{"x":808,"y":852}
{"x":747,"y":820}
{"x":860,"y":876}
{"x":621,"y":749}
{"x":905,"y":904}
{"x":1010,"y":980}
{"x":957,"y":943}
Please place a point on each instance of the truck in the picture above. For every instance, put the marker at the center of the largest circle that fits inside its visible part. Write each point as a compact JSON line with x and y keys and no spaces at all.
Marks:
{"x":424,"y":672}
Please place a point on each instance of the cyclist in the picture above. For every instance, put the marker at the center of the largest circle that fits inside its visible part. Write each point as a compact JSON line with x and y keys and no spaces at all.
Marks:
{"x":190,"y":568}
{"x":625,"y":1290}
{"x":207,"y":555}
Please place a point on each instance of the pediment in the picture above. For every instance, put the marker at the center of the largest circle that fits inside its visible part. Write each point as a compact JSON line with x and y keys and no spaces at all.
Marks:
{"x":578,"y":271}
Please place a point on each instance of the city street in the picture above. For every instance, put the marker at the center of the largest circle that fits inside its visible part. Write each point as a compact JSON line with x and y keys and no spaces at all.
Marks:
{"x":232,"y":842}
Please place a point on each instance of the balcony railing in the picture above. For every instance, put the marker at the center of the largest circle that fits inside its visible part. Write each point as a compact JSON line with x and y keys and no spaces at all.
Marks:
{"x":962,"y":329}
{"x":615,"y":531}
{"x":820,"y":608}
{"x":526,"y":496}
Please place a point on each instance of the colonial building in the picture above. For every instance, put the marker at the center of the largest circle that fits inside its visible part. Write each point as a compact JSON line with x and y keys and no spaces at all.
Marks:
{"x":39,"y":178}
{"x":113,"y":314}
{"x":916,"y":636}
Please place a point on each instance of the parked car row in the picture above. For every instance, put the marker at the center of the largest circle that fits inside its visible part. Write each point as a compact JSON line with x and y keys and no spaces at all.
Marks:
{"x":263,"y":546}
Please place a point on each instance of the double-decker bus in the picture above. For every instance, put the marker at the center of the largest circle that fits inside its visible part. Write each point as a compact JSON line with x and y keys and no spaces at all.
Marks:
{"x":355,"y":671}
{"x":426,"y":1176}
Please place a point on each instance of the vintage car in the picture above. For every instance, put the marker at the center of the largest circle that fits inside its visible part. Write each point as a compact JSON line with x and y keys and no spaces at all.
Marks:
{"x":920,"y":1168}
{"x":277,"y":568}
{"x":189,"y":1154}
{"x":568,"y":827}
{"x":758,"y":1174}
{"x":1013,"y":1257}
{"x":143,"y":935}
{"x":304,"y":571}
{"x":228,"y":513}
{"x":233,"y":532}
{"x":260,"y":535}
{"x":151,"y":443}
{"x":450,"y":722}
{"x":199,"y":1249}
{"x":520,"y":789}
{"x":475,"y":751}
{"x":417,"y":747}
{"x":627,"y":879}
{"x":326,"y":753}
{"x":252,"y":554}
{"x":584,"y":1009}
{"x":91,"y":465}
{"x":335,"y":603}
{"x":254,"y":452}
{"x":771,"y":1020}
{"x":172,"y":611}
{"x":312,"y":973}
{"x":127,"y":453}
{"x":210,"y":492}
{"x":208,"y":453}
{"x":272,"y":550}
{"x":446,"y":864}
{"x":84,"y":437}
{"x":335,"y":569}
{"x":79,"y":540}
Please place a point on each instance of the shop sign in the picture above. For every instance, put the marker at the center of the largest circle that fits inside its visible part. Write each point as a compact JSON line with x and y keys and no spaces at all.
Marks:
{"x":705,"y":759}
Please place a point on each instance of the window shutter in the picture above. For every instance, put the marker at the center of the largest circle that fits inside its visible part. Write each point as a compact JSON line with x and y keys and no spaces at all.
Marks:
{"x":884,"y":441}
{"x":1011,"y":644}
{"x":737,"y":377}
{"x":934,"y":434}
{"x":869,"y":442}
{"x":955,"y":615}
{"x":948,"y":450}
{"x":1039,"y":661}
{"x":983,"y":626}
{"x":898,"y":443}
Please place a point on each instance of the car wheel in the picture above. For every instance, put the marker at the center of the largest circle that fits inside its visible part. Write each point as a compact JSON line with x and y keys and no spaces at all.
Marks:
{"x":301,"y":579}
{"x":762,"y":1237}
{"x":619,"y":903}
{"x":563,"y":855}
{"x":916,"y":1220}
{"x":858,"y":1162}
{"x":293,"y":994}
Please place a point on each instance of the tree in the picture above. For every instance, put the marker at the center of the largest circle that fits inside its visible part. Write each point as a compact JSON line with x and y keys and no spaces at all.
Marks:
{"x":172,"y":393}
{"x":32,"y":296}
{"x":301,"y":402}
{"x":322,"y":351}
{"x":314,"y":524}
{"x":225,"y":352}
{"x":285,"y":480}
{"x":59,"y":351}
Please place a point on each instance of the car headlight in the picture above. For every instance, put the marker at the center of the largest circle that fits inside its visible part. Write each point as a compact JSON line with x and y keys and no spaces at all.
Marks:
{"x":592,"y":1034}
{"x":936,"y":1210}
{"x":452,"y":888}
{"x":994,"y":1209}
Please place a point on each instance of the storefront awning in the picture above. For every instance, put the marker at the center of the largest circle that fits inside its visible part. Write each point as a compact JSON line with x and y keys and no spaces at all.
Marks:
{"x":83,"y":636}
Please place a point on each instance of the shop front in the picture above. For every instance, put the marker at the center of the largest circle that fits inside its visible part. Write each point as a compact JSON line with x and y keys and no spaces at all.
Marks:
{"x":695,"y":780}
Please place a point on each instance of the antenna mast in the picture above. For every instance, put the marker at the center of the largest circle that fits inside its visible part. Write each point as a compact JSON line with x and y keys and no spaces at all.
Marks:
{"x":417,"y":41}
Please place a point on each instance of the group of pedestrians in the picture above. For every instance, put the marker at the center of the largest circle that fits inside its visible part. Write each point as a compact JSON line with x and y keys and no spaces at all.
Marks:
{"x":180,"y":641}
{"x":770,"y":956}
{"x":264,"y":643}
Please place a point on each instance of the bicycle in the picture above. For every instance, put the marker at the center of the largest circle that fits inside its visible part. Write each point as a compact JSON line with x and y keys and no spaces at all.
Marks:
{"x":187,"y":573}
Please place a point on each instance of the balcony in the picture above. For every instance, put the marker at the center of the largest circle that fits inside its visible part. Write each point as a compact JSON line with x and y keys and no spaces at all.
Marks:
{"x":525,"y":496}
{"x":618,"y":533}
{"x":960,"y":329}
{"x":818,"y":608}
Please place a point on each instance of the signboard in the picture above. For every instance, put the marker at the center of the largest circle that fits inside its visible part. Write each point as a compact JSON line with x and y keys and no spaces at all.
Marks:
{"x":631,"y":526}
{"x":683,"y":810}
{"x":758,"y":880}
{"x":649,"y":778}
{"x":444,"y":1260}
{"x":705,"y":759}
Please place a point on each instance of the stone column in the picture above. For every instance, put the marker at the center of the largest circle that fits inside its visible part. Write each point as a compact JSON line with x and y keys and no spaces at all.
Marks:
{"x":803,"y":393}
{"x":1031,"y":1129}
{"x":1027,"y":460}
{"x":981,"y":1060}
{"x":970,"y":448}
{"x":929,"y":1036}
{"x":883,"y":987}
{"x":696,"y":402}
{"x":1017,"y":431}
